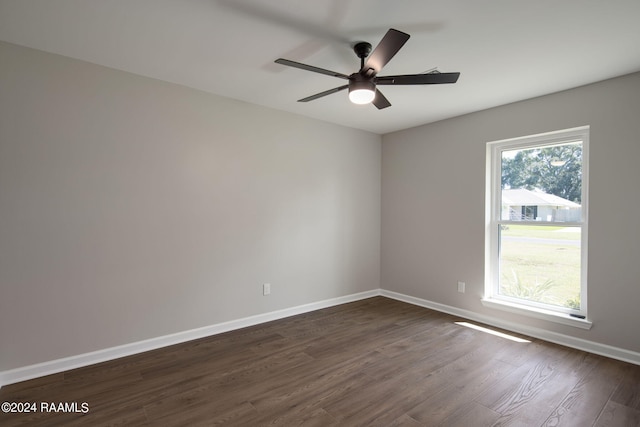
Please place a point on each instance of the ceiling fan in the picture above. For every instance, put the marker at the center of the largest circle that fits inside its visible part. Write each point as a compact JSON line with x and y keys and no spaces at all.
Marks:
{"x":362,"y":84}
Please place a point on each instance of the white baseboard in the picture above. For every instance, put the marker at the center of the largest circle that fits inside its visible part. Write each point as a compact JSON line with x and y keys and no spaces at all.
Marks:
{"x":59,"y":365}
{"x":554,"y":337}
{"x":78,"y":361}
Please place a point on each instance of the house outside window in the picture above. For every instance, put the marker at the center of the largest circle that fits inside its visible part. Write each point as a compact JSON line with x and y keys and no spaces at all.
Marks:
{"x":536,"y":235}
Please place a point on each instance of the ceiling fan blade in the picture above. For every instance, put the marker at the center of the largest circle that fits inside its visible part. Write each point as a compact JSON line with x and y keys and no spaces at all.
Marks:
{"x":321,"y":94}
{"x":310,"y":68}
{"x":390,"y":44}
{"x":380,"y":101}
{"x":418,"y":79}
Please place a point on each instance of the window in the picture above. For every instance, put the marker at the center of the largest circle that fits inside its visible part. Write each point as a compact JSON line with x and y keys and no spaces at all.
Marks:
{"x":537,"y":225}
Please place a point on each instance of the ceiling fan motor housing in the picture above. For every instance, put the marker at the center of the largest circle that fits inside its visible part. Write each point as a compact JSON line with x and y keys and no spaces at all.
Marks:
{"x":361,"y":88}
{"x":358,"y":81}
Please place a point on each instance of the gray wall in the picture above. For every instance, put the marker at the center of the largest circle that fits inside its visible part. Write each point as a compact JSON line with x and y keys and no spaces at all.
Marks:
{"x":433,"y":211}
{"x":132,"y":208}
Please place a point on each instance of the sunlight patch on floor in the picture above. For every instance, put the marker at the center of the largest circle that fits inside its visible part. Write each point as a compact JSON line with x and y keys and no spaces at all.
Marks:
{"x":491,"y":331}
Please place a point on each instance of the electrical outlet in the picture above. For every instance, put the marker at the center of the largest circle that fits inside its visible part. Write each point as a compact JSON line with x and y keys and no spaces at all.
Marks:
{"x":266,"y":289}
{"x":461,"y":287}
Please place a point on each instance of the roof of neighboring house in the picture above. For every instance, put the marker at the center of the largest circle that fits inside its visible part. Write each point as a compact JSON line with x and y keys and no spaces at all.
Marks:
{"x":523,"y":197}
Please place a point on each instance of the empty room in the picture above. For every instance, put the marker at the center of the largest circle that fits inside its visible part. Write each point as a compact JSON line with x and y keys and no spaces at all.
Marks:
{"x":328,"y":213}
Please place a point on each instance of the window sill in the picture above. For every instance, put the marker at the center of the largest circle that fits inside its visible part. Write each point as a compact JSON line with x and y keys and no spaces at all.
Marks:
{"x":538,"y":313}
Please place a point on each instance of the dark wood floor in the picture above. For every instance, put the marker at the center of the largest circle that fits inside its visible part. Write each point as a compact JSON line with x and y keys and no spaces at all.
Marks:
{"x":376,"y":362}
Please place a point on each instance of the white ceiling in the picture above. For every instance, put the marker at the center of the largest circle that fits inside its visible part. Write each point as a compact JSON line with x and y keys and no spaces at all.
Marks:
{"x":505,"y":50}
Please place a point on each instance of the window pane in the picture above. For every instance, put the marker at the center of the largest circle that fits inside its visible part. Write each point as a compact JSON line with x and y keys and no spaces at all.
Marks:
{"x":542,"y":184}
{"x":541,"y":264}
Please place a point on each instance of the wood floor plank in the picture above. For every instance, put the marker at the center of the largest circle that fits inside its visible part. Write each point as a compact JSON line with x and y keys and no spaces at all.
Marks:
{"x":375,"y":362}
{"x":585,"y":402}
{"x":292,"y":405}
{"x":374,"y":403}
{"x":519,"y":405}
{"x":440,"y":406}
{"x":617,"y":415}
{"x":628,"y":392}
{"x":470,"y":414}
{"x":405,"y":421}
{"x":319,"y":389}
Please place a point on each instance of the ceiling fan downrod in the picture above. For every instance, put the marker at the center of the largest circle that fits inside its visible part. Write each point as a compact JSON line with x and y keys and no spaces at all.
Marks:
{"x":362,"y":50}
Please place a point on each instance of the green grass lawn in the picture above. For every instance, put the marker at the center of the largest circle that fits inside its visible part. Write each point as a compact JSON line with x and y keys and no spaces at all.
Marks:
{"x":540,"y":263}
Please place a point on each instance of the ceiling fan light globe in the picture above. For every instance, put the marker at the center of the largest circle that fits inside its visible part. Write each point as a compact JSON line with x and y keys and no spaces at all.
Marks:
{"x":362,"y":96}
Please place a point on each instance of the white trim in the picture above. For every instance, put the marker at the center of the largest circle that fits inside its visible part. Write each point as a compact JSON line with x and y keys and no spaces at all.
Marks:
{"x":59,"y":365}
{"x":493,"y":219}
{"x":558,"y":137}
{"x":554,"y":337}
{"x":538,"y":313}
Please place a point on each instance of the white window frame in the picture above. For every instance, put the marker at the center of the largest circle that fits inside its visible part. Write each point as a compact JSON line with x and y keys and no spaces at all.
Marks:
{"x":492,"y":299}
